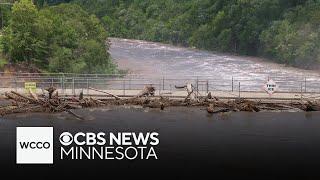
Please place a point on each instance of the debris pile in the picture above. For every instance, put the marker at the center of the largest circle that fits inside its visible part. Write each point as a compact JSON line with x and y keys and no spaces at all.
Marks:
{"x":52,"y":102}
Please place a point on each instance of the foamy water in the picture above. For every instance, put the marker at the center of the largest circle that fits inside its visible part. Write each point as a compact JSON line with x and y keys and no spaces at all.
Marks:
{"x":158,"y":60}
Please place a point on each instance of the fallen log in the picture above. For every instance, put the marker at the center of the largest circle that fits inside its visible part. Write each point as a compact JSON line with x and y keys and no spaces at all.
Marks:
{"x":15,"y":109}
{"x":115,"y":96}
{"x":11,"y":96}
{"x":219,"y":110}
{"x":180,"y":87}
{"x":146,"y":91}
{"x":33,"y":95}
{"x":23,"y":96}
{"x":51,"y":90}
{"x":31,"y":102}
{"x":190,"y":90}
{"x":312,"y":106}
{"x":52,"y":104}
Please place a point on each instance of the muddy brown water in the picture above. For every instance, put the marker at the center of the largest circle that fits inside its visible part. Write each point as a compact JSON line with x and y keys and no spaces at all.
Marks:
{"x":157,"y":60}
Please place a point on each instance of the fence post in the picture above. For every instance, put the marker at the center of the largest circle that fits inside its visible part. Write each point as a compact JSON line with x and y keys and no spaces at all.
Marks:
{"x":61,"y":83}
{"x":232,"y":84}
{"x":160,"y":88}
{"x":239,"y":89}
{"x":73,"y":90}
{"x":305,"y":84}
{"x":124,"y":87}
{"x":301,"y":92}
{"x":163,"y":83}
{"x":197,"y":83}
{"x":87,"y":86}
{"x":207,"y":86}
{"x":15,"y":84}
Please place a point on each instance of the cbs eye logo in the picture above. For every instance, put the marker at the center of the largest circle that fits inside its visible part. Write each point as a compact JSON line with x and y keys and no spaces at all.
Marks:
{"x":66,"y":138}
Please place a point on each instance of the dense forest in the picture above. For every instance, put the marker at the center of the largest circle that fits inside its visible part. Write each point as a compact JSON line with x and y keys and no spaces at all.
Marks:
{"x":286,"y":31}
{"x":61,"y":38}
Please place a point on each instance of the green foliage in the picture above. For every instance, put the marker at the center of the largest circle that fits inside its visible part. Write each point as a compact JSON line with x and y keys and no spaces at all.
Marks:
{"x":5,"y":13}
{"x":23,"y":41}
{"x":295,"y":40}
{"x":1,"y":43}
{"x":62,"y":38}
{"x":3,"y":61}
{"x":285,"y":30}
{"x":54,"y":36}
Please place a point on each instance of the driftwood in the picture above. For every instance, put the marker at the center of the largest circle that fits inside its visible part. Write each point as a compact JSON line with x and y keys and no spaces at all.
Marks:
{"x":23,"y":96}
{"x":81,"y":95}
{"x":116,"y":97}
{"x":32,"y":102}
{"x":34,"y":96}
{"x":190,"y":90}
{"x":312,"y":106}
{"x":35,"y":104}
{"x":51,"y":90}
{"x":219,"y":110}
{"x":146,"y":91}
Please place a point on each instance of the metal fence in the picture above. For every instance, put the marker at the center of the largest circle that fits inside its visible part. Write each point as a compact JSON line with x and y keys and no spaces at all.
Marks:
{"x":137,"y":82}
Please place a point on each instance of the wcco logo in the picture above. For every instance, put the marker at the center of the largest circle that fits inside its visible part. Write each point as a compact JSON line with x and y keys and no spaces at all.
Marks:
{"x":34,"y":145}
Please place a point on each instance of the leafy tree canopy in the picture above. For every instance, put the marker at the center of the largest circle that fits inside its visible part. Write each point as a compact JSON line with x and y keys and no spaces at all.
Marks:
{"x":62,"y":38}
{"x":284,"y":30}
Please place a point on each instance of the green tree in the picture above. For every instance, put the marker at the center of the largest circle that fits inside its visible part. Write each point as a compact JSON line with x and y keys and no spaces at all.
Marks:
{"x":295,"y":39}
{"x":24,"y":44}
{"x":285,"y":30}
{"x":61,"y":38}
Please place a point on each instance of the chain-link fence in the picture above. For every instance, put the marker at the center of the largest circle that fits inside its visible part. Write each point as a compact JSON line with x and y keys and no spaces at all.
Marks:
{"x":123,"y":83}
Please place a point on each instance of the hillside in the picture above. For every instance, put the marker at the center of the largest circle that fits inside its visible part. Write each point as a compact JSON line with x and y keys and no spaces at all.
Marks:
{"x":59,"y":38}
{"x":285,"y":31}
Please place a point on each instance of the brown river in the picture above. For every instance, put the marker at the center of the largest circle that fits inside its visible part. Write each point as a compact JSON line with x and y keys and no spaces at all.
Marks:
{"x":149,"y":59}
